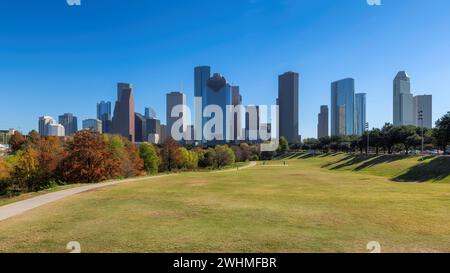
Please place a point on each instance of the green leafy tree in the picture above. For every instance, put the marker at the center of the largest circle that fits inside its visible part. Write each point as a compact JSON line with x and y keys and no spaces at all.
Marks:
{"x":283,"y":145}
{"x":388,"y":137}
{"x":376,"y":139}
{"x":442,"y":132}
{"x":209,"y":159}
{"x":224,"y":156}
{"x":406,"y":135}
{"x":25,"y":170}
{"x":189,"y":159}
{"x":150,"y":158}
{"x":325,"y":143}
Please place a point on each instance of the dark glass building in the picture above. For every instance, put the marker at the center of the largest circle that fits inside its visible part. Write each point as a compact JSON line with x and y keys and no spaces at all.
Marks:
{"x":322,"y":126}
{"x":218,"y":93}
{"x":70,"y":123}
{"x":104,"y":114}
{"x":288,"y":88}
{"x":140,"y":128}
{"x":123,"y":122}
{"x":343,"y":107}
{"x":201,"y":76}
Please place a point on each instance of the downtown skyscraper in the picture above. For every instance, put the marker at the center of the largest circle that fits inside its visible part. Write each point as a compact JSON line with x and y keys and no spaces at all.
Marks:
{"x":70,"y":123}
{"x":173,"y":100}
{"x":104,"y":114}
{"x":343,"y":107}
{"x":201,"y":76}
{"x":360,"y":113}
{"x":236,"y":100}
{"x":218,"y":94}
{"x":123,"y":122}
{"x":403,"y":100}
{"x":322,"y":126}
{"x":288,"y":88}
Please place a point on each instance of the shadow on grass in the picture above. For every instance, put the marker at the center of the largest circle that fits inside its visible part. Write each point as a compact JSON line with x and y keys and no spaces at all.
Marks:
{"x":348,"y":157}
{"x":351,"y":160}
{"x":436,"y":169}
{"x":305,"y":156}
{"x":382,"y":159}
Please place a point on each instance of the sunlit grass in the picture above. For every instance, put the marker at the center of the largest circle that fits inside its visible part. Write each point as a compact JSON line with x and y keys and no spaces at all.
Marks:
{"x":299,"y":208}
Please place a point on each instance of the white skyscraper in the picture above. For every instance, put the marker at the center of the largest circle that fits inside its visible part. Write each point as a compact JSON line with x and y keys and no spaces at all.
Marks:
{"x":403,"y":100}
{"x":49,"y":127}
{"x":423,"y":103}
{"x":55,"y":130}
{"x":43,"y":124}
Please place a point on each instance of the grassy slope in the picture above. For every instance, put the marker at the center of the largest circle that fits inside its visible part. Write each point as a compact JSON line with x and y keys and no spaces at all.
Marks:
{"x":300,"y":208}
{"x":396,"y":167}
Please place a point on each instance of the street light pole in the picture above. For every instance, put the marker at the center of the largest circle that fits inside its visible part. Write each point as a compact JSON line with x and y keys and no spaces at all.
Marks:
{"x":368,"y":137}
{"x":423,"y":138}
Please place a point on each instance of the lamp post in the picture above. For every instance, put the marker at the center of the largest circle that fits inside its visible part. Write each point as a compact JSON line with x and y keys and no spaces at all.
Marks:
{"x":368,"y":137}
{"x":420,"y":117}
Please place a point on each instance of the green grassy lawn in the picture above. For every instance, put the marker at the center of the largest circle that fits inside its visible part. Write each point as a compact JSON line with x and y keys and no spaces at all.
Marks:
{"x":305,"y":207}
{"x":396,"y":167}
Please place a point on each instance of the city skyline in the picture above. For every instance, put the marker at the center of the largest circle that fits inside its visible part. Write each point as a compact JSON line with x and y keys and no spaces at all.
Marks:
{"x":300,"y":45}
{"x":340,"y":120}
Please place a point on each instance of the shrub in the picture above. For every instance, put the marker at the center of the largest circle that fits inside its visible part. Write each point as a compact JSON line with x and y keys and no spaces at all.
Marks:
{"x":209,"y":159}
{"x":245,"y":151}
{"x":224,"y":156}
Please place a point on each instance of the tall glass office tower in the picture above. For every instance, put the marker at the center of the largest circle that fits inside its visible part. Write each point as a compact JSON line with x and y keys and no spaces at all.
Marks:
{"x":403,"y":100}
{"x":288,"y":88}
{"x":218,"y":93}
{"x":201,"y":76}
{"x":123,"y":121}
{"x":175,"y":99}
{"x":322,"y":126}
{"x":70,"y":123}
{"x":343,"y":107}
{"x":104,"y":114}
{"x":360,"y":113}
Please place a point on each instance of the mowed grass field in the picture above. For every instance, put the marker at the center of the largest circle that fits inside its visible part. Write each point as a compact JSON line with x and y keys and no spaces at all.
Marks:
{"x":308,"y":206}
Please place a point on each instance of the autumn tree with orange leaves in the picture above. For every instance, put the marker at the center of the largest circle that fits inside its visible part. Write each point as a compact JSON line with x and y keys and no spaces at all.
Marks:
{"x":88,"y":159}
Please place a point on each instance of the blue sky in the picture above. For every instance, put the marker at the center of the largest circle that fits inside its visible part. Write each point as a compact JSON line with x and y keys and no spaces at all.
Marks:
{"x":55,"y":58}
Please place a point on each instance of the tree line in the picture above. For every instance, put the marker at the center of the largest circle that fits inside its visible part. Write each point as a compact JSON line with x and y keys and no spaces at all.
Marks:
{"x":37,"y":163}
{"x":389,"y":139}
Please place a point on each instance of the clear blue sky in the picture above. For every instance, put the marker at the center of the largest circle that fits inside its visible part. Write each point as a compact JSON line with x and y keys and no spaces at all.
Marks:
{"x":55,"y":58}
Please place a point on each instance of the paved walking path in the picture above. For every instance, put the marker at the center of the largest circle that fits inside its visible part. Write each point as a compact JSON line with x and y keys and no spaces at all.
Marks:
{"x":20,"y":207}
